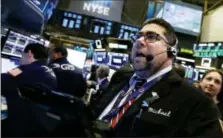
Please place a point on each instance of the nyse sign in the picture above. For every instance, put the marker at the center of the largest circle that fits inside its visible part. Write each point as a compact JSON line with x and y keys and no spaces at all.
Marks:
{"x":105,"y":9}
{"x":97,"y":8}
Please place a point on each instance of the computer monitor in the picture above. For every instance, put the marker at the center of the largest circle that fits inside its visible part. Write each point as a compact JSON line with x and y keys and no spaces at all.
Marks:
{"x":8,"y":64}
{"x":117,"y":60}
{"x":76,"y":58}
{"x":185,"y":18}
{"x":100,"y":57}
{"x":16,"y":42}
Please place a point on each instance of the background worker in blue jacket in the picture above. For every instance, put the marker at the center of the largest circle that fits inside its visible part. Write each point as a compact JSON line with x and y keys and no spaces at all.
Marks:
{"x":69,"y":78}
{"x":33,"y":71}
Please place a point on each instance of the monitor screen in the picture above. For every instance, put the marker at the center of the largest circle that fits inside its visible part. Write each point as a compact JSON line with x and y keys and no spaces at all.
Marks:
{"x":126,"y":31}
{"x":117,"y":46}
{"x":76,"y":58}
{"x":208,"y":50}
{"x":100,"y":57}
{"x":45,"y":6}
{"x":117,"y":60}
{"x":89,"y":51}
{"x":101,"y":27}
{"x":185,"y":18}
{"x":71,"y":20}
{"x":8,"y":64}
{"x":16,"y":42}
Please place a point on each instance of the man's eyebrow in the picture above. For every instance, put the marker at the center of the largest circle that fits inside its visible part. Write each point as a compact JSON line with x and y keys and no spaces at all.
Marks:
{"x":147,"y":32}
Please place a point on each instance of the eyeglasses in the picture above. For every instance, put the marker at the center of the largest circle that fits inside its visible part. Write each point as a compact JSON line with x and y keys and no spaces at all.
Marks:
{"x":150,"y":37}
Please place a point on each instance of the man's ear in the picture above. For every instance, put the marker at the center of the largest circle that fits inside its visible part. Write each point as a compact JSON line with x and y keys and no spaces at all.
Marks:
{"x":59,"y":54}
{"x":30,"y":54}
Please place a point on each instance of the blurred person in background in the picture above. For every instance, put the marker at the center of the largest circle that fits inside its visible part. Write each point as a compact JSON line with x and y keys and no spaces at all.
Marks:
{"x":32,"y":71}
{"x":92,"y":75}
{"x":69,"y":78}
{"x":102,"y":74}
{"x":212,"y":85}
{"x":101,"y":84}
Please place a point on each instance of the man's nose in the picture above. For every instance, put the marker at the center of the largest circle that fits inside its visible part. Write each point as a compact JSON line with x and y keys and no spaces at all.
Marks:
{"x":140,"y":42}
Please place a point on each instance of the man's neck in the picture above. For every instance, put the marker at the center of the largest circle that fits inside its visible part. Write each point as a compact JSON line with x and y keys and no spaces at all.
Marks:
{"x":144,"y":74}
{"x":100,"y":80}
{"x":32,"y":61}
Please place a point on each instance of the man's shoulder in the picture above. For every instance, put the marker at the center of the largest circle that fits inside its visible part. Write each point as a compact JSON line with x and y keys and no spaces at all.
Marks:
{"x":183,"y":88}
{"x":189,"y":91}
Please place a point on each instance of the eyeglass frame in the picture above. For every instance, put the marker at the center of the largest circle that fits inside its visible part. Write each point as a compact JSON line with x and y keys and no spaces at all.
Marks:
{"x":157,"y":37}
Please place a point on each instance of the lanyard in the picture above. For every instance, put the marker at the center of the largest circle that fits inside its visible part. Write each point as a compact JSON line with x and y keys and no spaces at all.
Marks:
{"x":134,"y":95}
{"x":114,"y":105}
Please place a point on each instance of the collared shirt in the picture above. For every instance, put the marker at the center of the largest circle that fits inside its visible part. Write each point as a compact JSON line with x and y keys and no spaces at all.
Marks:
{"x":101,"y":80}
{"x":132,"y":83}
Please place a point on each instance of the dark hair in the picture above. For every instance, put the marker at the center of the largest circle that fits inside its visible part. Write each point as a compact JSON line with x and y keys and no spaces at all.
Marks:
{"x":60,"y":49}
{"x":169,"y":31}
{"x":38,"y":50}
{"x":220,"y":95}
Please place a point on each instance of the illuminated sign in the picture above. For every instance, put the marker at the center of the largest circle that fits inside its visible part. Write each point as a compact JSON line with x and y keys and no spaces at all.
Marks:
{"x":117,"y":46}
{"x":187,"y":51}
{"x":104,"y":9}
{"x":96,"y":7}
{"x":209,"y":50}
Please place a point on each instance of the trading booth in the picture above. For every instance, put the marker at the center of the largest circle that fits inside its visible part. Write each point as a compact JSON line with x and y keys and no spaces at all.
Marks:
{"x":112,"y":52}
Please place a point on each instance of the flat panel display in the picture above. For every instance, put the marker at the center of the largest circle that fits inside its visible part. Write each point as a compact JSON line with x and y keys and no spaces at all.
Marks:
{"x":76,"y":58}
{"x":8,"y":64}
{"x":16,"y":42}
{"x":117,"y":60}
{"x":71,"y":20}
{"x":100,"y":57}
{"x":45,"y":6}
{"x":101,"y":27}
{"x":185,"y":18}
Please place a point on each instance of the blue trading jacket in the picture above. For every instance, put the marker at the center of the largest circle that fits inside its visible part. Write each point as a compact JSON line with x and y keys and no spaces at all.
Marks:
{"x":19,"y":121}
{"x":69,"y":78}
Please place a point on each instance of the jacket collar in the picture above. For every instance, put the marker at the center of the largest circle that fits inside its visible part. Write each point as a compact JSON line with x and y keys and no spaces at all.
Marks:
{"x":60,"y":60}
{"x":39,"y":62}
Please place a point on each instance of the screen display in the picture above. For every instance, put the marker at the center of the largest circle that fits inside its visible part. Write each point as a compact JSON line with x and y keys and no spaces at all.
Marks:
{"x":45,"y":6}
{"x":185,"y":18}
{"x":208,"y":50}
{"x":8,"y":64}
{"x":127,"y":31}
{"x":117,"y":60}
{"x":117,"y":46}
{"x":100,"y":57}
{"x":71,"y":20}
{"x":89,"y":51}
{"x":76,"y":58}
{"x":206,"y":63}
{"x":16,"y":42}
{"x":101,"y":27}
